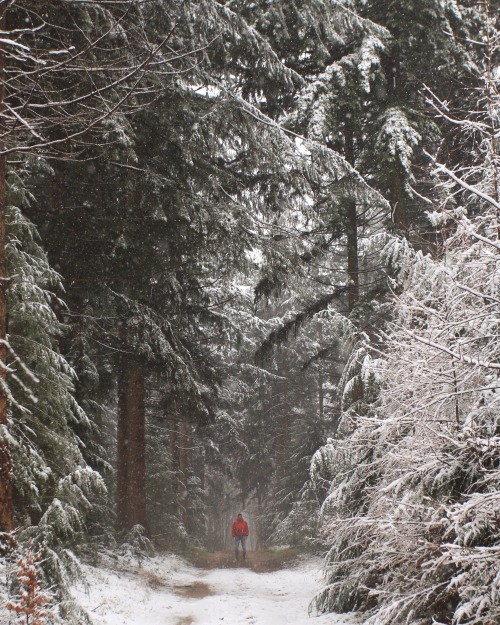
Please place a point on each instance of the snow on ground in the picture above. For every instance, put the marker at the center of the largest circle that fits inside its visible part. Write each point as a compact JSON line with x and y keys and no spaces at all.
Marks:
{"x":168,"y":591}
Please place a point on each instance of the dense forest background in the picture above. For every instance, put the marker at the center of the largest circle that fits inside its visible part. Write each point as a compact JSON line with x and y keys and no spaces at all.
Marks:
{"x":249,"y":260}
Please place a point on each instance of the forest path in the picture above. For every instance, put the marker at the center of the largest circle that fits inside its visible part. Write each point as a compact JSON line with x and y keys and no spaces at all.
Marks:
{"x":257,"y":561}
{"x":168,"y":591}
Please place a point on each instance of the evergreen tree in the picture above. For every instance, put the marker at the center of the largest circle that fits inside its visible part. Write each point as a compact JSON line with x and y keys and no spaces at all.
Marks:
{"x":418,"y":446}
{"x":54,"y":490}
{"x":193,"y":201}
{"x":60,"y":86}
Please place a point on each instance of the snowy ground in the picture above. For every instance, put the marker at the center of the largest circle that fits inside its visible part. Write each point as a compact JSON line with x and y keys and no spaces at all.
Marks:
{"x":167,"y":591}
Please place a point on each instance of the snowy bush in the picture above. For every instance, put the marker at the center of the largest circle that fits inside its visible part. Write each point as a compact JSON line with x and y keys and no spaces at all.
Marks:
{"x":136,"y":545}
{"x":32,"y":603}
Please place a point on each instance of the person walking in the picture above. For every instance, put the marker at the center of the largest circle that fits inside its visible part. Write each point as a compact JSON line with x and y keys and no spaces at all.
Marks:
{"x":240,"y":533}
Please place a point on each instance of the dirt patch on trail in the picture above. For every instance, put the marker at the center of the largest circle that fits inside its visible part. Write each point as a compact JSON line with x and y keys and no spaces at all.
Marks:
{"x":185,"y":620}
{"x":194,"y":590}
{"x":152,"y":579}
{"x":258,"y":561}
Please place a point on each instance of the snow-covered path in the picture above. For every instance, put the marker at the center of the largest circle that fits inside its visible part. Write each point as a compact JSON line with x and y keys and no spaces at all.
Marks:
{"x":167,"y":591}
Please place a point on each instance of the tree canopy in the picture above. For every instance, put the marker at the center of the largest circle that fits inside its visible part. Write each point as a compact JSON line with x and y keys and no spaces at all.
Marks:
{"x":248,"y":260}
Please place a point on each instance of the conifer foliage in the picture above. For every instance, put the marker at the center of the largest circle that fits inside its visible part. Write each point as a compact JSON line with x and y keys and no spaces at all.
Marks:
{"x":417,"y":542}
{"x":249,"y":258}
{"x":54,"y":488}
{"x":411,"y":513}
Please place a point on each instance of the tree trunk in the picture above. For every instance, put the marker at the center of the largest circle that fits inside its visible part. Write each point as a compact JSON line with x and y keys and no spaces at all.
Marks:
{"x":282,"y":433}
{"x":352,"y":254}
{"x":6,"y":472}
{"x":491,"y":96}
{"x":185,"y":444}
{"x":351,"y":225}
{"x":257,"y":530}
{"x":131,"y":453}
{"x":398,"y":202}
{"x":397,"y":196}
{"x":173,"y":443}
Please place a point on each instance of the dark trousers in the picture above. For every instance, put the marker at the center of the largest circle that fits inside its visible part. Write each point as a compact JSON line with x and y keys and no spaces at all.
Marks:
{"x":237,"y":541}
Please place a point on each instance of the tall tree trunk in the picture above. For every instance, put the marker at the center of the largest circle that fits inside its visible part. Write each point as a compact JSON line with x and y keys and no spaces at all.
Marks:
{"x":492,"y":99}
{"x":173,"y":443}
{"x":352,"y":245}
{"x":131,"y":453}
{"x":185,"y":445}
{"x":352,"y":254}
{"x":257,"y":530}
{"x":351,"y":227}
{"x":398,"y":202}
{"x":6,"y":472}
{"x":350,"y":222}
{"x":397,"y":196}
{"x":282,"y":436}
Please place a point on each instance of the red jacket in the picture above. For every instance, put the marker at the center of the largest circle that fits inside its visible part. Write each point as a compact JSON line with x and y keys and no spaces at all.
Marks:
{"x":240,"y":528}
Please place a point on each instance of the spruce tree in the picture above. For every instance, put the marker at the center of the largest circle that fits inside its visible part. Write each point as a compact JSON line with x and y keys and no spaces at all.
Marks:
{"x":54,"y":490}
{"x":197,"y":182}
{"x":49,"y":110}
{"x":432,"y":395}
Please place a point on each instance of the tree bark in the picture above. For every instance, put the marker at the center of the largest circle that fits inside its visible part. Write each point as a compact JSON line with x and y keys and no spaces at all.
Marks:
{"x":185,"y":444}
{"x":396,"y":177}
{"x":352,"y":254}
{"x":173,"y":443}
{"x":398,"y":202}
{"x":282,"y":432}
{"x":131,"y":452}
{"x":6,"y":469}
{"x":351,"y":225}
